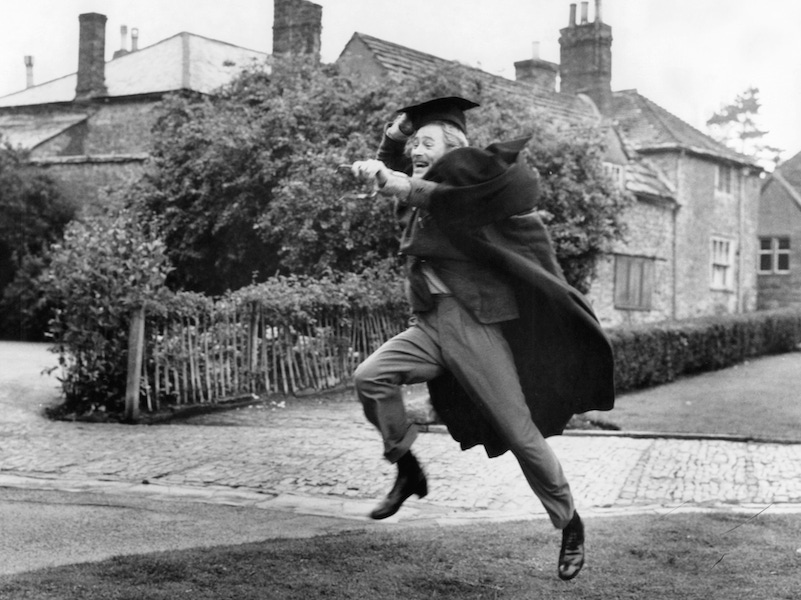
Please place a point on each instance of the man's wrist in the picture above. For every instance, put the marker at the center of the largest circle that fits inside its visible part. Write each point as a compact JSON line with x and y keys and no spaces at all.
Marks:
{"x":394,"y":132}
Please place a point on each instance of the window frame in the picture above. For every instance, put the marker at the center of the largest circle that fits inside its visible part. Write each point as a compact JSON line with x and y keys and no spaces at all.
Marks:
{"x":721,"y":259}
{"x":724,"y":184}
{"x":632,"y":272}
{"x":775,"y":252}
{"x":615,"y":172}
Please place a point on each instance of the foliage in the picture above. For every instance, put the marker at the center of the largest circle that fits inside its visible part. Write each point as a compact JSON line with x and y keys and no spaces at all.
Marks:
{"x":33,"y":214}
{"x":648,"y":355}
{"x":737,"y":126}
{"x":246,"y":185}
{"x":105,"y":267}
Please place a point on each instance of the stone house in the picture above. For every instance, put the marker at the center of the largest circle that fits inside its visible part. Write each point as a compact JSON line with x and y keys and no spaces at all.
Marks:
{"x":691,"y":247}
{"x":91,"y":130}
{"x":779,"y":234}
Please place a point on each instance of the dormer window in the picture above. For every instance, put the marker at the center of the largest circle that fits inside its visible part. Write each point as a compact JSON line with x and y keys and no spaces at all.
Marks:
{"x":616,"y":173}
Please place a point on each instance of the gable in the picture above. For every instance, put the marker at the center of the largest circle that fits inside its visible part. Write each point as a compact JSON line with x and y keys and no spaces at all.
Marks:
{"x":790,"y":171}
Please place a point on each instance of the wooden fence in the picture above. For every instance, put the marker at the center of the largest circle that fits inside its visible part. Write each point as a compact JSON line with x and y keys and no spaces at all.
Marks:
{"x":228,"y":349}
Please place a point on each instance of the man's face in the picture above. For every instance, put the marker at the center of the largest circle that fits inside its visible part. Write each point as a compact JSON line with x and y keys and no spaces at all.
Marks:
{"x":427,"y":147}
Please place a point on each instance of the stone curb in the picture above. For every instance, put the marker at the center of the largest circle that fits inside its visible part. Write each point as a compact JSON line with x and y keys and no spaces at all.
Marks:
{"x":415,"y":512}
{"x":659,"y":435}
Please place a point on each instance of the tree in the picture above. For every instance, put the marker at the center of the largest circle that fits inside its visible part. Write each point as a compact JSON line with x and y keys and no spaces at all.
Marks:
{"x":245,"y":183}
{"x":737,"y":126}
{"x":33,"y":214}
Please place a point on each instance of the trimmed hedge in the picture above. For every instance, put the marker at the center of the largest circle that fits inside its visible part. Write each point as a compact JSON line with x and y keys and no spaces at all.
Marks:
{"x":652,"y":354}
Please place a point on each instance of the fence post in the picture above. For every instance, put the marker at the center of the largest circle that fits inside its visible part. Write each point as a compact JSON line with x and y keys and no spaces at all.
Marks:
{"x":136,"y":342}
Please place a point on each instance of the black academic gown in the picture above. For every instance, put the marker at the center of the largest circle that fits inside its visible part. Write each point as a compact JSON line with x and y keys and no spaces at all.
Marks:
{"x":485,"y":204}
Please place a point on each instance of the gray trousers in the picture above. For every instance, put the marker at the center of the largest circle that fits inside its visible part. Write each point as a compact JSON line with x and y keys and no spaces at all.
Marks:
{"x":449,"y":338}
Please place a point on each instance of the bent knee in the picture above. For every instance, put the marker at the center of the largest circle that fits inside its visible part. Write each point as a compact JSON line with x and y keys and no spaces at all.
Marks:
{"x":364,"y":374}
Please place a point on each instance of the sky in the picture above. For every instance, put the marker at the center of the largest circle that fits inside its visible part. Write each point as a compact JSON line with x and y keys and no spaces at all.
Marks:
{"x":689,"y":56}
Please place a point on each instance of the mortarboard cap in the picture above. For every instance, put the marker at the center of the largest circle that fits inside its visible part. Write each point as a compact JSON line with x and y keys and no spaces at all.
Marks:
{"x":449,"y":109}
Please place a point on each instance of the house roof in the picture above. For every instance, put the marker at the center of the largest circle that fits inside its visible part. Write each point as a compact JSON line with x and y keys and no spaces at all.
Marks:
{"x":788,"y":177}
{"x":182,"y":62}
{"x":641,"y":177}
{"x":649,"y":127}
{"x":397,"y":59}
{"x":790,"y":170}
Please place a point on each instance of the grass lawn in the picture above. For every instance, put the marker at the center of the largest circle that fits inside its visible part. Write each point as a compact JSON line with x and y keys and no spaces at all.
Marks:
{"x":667,"y":556}
{"x":758,"y":399}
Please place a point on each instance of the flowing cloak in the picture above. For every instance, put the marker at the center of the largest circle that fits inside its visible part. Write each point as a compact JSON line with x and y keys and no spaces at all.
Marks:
{"x":484,"y":204}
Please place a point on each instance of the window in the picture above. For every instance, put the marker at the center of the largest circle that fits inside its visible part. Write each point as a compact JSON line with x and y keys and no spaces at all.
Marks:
{"x":723,"y":178}
{"x":616,"y":173}
{"x":634,"y":282}
{"x":721,"y":264}
{"x":774,"y":255}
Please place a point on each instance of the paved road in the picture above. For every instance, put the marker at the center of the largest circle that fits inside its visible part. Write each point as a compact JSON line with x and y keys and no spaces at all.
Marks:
{"x":322,"y":461}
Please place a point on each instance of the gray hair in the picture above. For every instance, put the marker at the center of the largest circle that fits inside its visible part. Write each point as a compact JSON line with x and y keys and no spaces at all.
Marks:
{"x":451,"y":135}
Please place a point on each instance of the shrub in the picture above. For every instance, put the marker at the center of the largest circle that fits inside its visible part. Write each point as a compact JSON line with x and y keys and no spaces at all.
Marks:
{"x":105,"y":267}
{"x":33,"y":214}
{"x":653,"y":354}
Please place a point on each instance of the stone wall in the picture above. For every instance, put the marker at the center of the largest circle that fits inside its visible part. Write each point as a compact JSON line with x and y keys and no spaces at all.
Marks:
{"x":93,"y":183}
{"x":705,"y":213}
{"x":650,"y":235}
{"x":119,"y":127}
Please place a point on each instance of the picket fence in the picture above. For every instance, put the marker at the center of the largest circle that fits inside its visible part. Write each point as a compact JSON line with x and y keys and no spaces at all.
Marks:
{"x":230,"y":350}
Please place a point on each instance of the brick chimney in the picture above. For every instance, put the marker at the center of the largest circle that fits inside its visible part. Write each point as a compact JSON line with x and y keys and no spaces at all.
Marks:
{"x":297,"y":27}
{"x":536,"y":71}
{"x":91,"y":57}
{"x":586,"y":57}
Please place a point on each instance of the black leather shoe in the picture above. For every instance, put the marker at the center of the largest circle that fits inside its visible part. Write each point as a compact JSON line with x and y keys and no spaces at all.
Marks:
{"x":411,"y":480}
{"x":571,"y":557}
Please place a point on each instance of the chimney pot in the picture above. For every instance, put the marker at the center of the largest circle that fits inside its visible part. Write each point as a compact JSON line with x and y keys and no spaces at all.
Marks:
{"x":585,"y":12}
{"x":123,"y":42}
{"x":598,"y":18}
{"x":535,"y":50}
{"x":572,"y":21}
{"x":28,"y":71}
{"x":91,"y":56}
{"x":134,"y":39}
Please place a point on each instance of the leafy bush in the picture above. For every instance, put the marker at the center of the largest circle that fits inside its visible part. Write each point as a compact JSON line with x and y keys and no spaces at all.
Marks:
{"x":648,"y":355}
{"x":33,"y":214}
{"x":246,"y":185}
{"x":105,"y":267}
